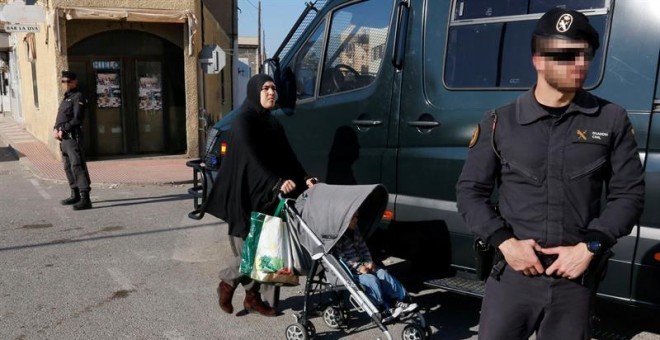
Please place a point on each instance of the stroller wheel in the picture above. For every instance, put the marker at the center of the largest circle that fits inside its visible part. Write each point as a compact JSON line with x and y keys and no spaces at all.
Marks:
{"x":296,"y":331}
{"x":333,"y":317}
{"x":311,"y":330}
{"x":413,"y":332}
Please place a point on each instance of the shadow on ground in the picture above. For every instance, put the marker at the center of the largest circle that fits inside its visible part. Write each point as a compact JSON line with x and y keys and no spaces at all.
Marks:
{"x":8,"y":154}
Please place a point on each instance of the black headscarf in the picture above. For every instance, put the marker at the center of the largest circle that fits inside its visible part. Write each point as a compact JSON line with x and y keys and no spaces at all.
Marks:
{"x":258,"y":159}
{"x":253,"y":98}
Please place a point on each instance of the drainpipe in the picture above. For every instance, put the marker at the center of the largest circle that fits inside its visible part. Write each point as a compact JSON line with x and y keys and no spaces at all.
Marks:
{"x":234,"y":55}
{"x":201,"y":88}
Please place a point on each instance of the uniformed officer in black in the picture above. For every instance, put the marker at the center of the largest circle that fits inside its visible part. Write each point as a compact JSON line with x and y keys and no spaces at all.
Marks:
{"x":68,"y":130}
{"x":551,"y":153}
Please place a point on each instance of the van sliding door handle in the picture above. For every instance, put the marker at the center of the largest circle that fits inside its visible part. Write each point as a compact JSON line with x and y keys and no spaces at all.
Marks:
{"x":367,"y":123}
{"x":423,"y":124}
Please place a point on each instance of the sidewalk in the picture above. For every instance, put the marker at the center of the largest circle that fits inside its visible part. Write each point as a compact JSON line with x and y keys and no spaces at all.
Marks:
{"x":146,"y":170}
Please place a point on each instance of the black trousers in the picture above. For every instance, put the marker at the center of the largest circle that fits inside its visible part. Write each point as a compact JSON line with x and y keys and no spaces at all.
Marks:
{"x":75,"y":166}
{"x":515,"y":306}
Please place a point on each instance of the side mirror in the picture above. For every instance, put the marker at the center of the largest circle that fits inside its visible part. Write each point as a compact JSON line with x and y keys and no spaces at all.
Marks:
{"x":285,"y":82}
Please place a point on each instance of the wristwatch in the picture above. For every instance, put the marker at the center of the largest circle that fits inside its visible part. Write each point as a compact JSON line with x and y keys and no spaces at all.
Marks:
{"x":594,"y":247}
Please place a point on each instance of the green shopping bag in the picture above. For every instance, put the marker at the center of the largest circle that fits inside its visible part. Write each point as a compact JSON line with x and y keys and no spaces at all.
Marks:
{"x":257,"y":221}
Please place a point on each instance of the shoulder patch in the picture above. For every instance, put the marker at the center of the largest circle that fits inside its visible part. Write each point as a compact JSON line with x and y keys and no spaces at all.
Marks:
{"x":475,"y":137}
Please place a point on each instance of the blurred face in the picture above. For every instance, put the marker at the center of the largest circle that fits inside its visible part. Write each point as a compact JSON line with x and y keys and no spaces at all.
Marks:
{"x":68,"y":84}
{"x":268,"y":95}
{"x":563,"y":63}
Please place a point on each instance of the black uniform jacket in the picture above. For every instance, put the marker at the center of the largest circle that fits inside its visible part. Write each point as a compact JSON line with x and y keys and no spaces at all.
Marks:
{"x":258,"y":158}
{"x":550,"y":174}
{"x":71,"y":112}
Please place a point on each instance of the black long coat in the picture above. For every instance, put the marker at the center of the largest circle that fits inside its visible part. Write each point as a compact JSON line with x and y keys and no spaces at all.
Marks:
{"x":258,"y":159}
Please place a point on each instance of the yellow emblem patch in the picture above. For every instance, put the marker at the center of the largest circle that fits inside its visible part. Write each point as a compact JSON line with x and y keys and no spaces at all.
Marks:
{"x":475,"y":137}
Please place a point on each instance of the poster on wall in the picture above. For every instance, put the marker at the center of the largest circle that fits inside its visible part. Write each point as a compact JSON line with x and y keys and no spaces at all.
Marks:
{"x":149,"y":94}
{"x":108,"y":92}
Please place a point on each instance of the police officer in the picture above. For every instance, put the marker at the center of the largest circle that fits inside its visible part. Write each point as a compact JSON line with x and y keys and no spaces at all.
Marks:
{"x":68,"y":130}
{"x":550,"y":154}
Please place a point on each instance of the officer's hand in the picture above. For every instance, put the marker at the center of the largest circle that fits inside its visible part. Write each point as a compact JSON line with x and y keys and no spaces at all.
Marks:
{"x":572,"y":261}
{"x":370,"y":266}
{"x":57,"y":134}
{"x":288,"y":186}
{"x":519,"y":255}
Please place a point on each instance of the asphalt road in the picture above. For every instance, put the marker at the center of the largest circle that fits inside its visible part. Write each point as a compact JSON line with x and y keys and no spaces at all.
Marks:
{"x":136,"y":267}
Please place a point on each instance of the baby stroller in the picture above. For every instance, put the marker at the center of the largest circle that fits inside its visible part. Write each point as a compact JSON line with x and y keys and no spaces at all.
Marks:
{"x":317,"y":220}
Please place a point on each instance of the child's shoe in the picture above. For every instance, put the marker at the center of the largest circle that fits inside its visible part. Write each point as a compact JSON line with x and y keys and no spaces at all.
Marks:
{"x":391,"y":314}
{"x":406,"y":307}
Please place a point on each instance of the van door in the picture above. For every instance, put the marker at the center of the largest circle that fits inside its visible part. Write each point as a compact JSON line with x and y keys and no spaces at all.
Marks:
{"x":646,"y":265}
{"x":343,"y":83}
{"x":464,"y":58}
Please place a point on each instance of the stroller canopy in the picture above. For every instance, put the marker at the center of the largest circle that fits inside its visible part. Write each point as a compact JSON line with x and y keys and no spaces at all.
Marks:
{"x":327,"y":210}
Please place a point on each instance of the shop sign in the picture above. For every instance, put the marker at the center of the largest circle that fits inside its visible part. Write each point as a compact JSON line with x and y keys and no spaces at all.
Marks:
{"x":21,"y":28}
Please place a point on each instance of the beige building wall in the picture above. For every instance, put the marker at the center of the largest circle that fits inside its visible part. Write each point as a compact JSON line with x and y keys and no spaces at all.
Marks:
{"x":49,"y":62}
{"x":217,"y":87}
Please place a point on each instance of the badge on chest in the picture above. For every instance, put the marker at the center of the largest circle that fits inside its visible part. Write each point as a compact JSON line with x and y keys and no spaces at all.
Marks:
{"x":592,"y":136}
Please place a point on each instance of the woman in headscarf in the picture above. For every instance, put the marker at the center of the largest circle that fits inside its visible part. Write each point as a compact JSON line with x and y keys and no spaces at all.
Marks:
{"x":259,"y":163}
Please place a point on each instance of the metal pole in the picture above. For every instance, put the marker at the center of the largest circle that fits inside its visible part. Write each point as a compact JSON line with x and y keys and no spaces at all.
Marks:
{"x":259,"y":56}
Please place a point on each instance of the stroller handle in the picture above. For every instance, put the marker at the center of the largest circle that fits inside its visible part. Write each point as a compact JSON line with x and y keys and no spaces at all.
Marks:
{"x":289,"y":205}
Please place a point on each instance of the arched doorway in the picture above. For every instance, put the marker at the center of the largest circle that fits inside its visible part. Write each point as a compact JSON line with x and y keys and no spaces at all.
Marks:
{"x":134,"y":82}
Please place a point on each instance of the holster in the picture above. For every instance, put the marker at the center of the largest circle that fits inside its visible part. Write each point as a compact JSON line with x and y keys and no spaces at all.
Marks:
{"x":74,"y":134}
{"x":484,"y":258}
{"x":597,"y":270}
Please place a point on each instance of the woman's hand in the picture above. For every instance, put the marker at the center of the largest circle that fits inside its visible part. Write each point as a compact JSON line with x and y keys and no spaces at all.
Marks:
{"x":311,"y":181}
{"x":288,"y":186}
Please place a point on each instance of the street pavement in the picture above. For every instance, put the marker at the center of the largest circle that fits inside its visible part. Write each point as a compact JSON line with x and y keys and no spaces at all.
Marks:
{"x":136,"y":170}
{"x":136,"y":267}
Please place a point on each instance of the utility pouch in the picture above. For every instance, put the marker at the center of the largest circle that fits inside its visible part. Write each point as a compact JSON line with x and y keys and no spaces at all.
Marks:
{"x":484,"y":256}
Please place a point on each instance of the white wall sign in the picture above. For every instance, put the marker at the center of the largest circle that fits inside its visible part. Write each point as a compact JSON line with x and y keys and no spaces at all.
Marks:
{"x":19,"y":13}
{"x":22,"y":27}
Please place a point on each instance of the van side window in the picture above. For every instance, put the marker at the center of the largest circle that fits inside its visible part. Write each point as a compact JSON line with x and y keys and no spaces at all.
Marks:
{"x":479,"y":9}
{"x":356,"y":47}
{"x":496,"y":53}
{"x":307,"y":64}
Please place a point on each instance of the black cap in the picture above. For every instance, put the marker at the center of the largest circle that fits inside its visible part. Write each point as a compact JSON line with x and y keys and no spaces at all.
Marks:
{"x":69,"y":75}
{"x":567,"y":24}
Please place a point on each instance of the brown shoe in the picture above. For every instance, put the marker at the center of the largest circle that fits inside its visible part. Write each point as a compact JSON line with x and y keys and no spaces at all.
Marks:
{"x":253,"y":303}
{"x":225,"y":294}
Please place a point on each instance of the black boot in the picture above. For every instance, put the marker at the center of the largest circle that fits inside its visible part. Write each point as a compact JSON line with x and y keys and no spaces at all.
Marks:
{"x":75,"y":197}
{"x":84,"y":203}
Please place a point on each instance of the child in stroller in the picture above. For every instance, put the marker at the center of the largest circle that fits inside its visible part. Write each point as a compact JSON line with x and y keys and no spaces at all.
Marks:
{"x":318,"y":222}
{"x":383,"y":289}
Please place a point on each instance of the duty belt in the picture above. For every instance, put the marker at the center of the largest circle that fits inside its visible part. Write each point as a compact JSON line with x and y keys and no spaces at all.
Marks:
{"x":546,"y":260}
{"x":70,"y":135}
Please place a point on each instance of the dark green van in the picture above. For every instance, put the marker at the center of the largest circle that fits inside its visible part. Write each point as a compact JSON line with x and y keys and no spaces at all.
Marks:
{"x":389,"y":91}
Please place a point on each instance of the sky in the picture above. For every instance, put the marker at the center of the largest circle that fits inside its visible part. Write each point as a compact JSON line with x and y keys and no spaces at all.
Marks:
{"x":277,"y":17}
